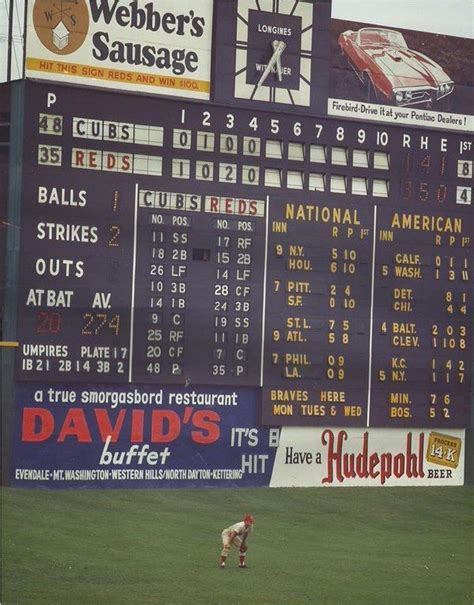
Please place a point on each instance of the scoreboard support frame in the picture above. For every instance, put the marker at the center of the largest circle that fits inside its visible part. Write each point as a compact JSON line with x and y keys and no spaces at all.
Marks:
{"x":12,"y":245}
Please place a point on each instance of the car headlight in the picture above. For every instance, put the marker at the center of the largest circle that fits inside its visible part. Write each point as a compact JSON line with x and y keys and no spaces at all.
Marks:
{"x":399,"y":96}
{"x":409,"y":95}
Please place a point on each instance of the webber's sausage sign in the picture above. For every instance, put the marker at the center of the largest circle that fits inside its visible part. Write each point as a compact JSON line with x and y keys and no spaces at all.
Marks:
{"x":159,"y":47}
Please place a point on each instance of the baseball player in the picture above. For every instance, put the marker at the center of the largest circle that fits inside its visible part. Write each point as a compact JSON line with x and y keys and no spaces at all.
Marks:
{"x":236,"y":535}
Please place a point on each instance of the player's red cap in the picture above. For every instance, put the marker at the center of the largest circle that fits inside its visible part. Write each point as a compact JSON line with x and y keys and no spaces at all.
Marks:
{"x":248,"y":519}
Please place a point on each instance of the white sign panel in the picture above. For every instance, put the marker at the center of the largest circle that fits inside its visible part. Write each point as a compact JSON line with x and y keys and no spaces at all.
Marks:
{"x":313,"y":457}
{"x":453,"y":18}
{"x":408,"y":66}
{"x":407,"y":116}
{"x":161,"y":47}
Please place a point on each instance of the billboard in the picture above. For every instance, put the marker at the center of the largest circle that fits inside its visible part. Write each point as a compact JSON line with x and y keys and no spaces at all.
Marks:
{"x":366,"y":63}
{"x":70,"y":435}
{"x":162,"y":48}
{"x":384,"y":70}
{"x":375,"y":458}
{"x":348,"y":60}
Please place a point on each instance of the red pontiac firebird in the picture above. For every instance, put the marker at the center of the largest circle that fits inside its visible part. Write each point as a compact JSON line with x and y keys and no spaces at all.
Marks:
{"x":391,"y":71}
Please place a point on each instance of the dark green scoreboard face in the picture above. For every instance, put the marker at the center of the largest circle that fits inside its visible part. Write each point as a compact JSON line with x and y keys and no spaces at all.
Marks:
{"x":324,"y":262}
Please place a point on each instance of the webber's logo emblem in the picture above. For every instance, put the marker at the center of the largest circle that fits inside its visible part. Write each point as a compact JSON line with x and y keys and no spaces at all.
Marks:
{"x":61,"y":25}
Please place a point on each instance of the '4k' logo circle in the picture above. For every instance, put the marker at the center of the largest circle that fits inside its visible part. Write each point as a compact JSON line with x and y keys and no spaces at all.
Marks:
{"x":61,"y":25}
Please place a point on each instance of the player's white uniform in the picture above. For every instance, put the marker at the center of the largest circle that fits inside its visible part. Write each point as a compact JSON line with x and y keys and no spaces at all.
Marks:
{"x":238,"y":528}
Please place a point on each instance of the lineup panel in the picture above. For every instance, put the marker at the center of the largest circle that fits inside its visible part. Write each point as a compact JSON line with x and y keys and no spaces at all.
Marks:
{"x":188,"y":243}
{"x":198,"y":302}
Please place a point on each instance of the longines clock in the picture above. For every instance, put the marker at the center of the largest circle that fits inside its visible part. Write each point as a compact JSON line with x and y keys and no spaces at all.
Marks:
{"x":273,"y":51}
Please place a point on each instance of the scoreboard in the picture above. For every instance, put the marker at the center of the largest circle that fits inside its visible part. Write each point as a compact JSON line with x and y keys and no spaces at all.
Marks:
{"x":324,"y":262}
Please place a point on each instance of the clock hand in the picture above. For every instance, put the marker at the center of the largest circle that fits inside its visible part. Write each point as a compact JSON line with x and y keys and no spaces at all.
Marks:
{"x":278,"y":47}
{"x":278,"y":61}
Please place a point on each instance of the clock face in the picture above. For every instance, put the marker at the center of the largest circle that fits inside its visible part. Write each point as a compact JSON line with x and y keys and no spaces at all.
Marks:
{"x":273,"y":51}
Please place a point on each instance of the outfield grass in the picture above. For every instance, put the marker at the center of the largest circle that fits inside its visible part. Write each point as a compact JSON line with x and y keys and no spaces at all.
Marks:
{"x":310,"y":546}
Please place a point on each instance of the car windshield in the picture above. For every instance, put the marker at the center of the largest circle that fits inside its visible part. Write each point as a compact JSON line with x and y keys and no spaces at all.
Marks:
{"x":381,"y":37}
